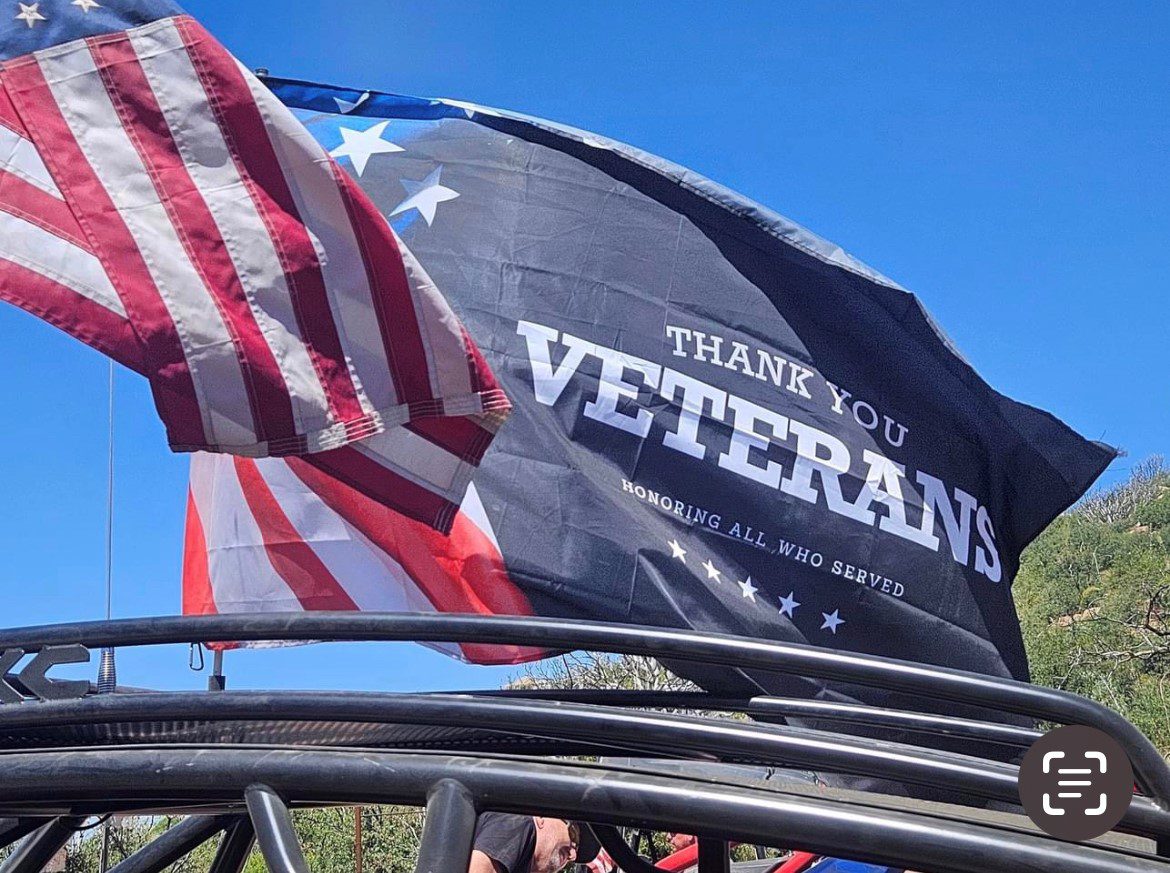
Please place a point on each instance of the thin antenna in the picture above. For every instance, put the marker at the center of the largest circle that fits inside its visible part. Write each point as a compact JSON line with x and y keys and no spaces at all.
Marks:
{"x":107,"y":671}
{"x":110,"y":505}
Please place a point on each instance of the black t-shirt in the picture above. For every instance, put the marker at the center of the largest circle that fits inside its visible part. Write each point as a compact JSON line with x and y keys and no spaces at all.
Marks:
{"x":507,"y":839}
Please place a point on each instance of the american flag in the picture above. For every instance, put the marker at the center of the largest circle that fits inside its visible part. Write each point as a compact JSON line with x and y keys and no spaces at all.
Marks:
{"x":158,"y":203}
{"x":279,"y":535}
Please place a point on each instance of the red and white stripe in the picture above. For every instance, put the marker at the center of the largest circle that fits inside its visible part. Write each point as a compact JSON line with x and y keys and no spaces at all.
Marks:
{"x":46,"y":264}
{"x":277,"y":534}
{"x":601,"y":863}
{"x":268,"y":300}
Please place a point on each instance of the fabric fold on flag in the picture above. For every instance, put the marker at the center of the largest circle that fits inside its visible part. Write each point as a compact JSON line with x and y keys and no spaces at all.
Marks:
{"x":279,"y":535}
{"x":160,"y":204}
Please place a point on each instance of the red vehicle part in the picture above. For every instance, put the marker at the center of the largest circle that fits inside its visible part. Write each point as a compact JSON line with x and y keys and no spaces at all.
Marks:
{"x":689,"y":856}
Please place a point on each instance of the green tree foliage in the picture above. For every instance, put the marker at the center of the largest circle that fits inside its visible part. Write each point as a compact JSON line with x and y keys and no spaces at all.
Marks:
{"x":126,"y":836}
{"x":1093,"y":594}
{"x":390,"y":838}
{"x":593,"y":670}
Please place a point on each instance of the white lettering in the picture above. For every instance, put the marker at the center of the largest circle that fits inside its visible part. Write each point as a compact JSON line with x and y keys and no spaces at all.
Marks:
{"x":958,"y":529}
{"x":883,"y":484}
{"x":612,"y":388}
{"x":702,"y":349}
{"x":819,"y":456}
{"x":987,"y":561}
{"x":809,"y":441}
{"x":870,"y":414}
{"x":774,"y":365}
{"x":840,"y":395}
{"x":547,"y":382}
{"x":896,"y":443}
{"x":739,"y":359}
{"x":679,"y":335}
{"x":746,"y":437}
{"x":797,"y":376}
{"x":696,"y":396}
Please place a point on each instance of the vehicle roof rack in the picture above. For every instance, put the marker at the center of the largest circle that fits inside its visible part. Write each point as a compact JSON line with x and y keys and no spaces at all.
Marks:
{"x":237,"y":761}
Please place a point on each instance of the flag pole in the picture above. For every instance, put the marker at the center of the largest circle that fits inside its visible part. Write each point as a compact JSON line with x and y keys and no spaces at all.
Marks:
{"x":107,"y":671}
{"x":217,"y":681}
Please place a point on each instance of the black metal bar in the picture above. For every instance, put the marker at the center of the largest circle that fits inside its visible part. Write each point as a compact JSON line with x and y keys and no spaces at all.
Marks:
{"x":714,"y":856}
{"x":867,"y":830}
{"x":654,"y":733}
{"x":274,"y":830}
{"x":626,"y":858}
{"x":172,"y":845}
{"x":449,"y":830}
{"x":39,"y":847}
{"x":217,"y":681}
{"x":766,"y":708}
{"x":234,"y":848}
{"x":13,"y":829}
{"x":547,"y":634}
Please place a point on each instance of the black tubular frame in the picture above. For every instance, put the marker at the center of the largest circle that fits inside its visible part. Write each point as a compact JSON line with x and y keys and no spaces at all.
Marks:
{"x":13,"y":829}
{"x":39,"y":847}
{"x":814,"y":821}
{"x":275,"y":834}
{"x":768,"y":708}
{"x":246,"y":791}
{"x":714,"y":856}
{"x":449,"y":829}
{"x":645,"y":733}
{"x":176,"y":842}
{"x":937,"y":683}
{"x":233,"y":850}
{"x":625,"y":857}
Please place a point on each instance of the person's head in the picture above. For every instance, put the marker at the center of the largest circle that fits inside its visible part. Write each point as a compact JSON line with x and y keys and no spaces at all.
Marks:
{"x":678,"y":842}
{"x":557,"y":842}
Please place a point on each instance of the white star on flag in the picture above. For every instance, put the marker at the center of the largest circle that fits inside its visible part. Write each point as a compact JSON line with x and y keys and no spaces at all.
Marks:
{"x":677,"y":551}
{"x":712,"y":573}
{"x":425,"y":196}
{"x":832,"y":620}
{"x":749,"y":590}
{"x":86,"y":5}
{"x":30,"y":14}
{"x":361,"y":145}
{"x":788,"y":604}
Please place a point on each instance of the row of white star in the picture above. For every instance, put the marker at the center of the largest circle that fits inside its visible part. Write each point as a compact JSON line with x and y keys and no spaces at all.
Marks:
{"x":30,"y":13}
{"x":424,"y":195}
{"x":788,"y":605}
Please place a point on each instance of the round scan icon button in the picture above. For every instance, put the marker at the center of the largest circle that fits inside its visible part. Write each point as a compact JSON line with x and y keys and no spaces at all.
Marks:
{"x":1076,"y":783}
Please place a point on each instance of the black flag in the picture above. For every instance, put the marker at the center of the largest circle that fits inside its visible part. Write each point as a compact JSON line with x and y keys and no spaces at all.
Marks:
{"x":722,"y":421}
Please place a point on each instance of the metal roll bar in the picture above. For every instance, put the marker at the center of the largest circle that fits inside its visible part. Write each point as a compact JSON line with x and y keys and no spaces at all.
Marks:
{"x":176,"y":842}
{"x":232,"y":852}
{"x":652,"y":733}
{"x":39,"y":847}
{"x":822,"y":822}
{"x":765,"y":708}
{"x":936,"y":683}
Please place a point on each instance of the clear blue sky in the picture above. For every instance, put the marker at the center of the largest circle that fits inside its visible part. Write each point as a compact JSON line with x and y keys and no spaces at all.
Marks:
{"x":1005,"y":161}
